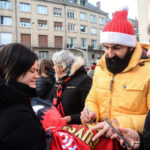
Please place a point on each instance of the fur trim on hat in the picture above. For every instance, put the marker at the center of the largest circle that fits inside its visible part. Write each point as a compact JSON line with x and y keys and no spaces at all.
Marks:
{"x":118,"y":38}
{"x":123,"y":7}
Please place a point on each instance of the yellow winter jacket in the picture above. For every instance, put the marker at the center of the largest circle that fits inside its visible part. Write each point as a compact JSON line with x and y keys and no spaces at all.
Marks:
{"x":124,"y":96}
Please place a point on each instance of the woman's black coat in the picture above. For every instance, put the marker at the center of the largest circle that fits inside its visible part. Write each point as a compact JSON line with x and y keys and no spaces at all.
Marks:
{"x":45,"y":84}
{"x":20,"y":129}
{"x":74,"y":94}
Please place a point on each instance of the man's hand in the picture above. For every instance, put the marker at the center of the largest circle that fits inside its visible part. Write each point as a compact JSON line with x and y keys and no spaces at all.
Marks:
{"x":87,"y":117}
{"x":67,"y":118}
{"x":104,"y":129}
{"x":148,"y":53}
{"x":130,"y":135}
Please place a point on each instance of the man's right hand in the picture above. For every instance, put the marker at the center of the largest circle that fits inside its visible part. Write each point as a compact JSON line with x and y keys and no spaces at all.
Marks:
{"x":87,"y":117}
{"x":130,"y":135}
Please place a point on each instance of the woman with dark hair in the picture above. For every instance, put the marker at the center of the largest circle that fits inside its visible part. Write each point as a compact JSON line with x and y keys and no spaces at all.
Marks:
{"x":20,"y":129}
{"x":47,"y":78}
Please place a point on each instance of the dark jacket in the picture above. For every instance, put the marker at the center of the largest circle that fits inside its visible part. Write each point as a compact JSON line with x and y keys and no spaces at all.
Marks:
{"x":20,"y":129}
{"x":145,"y":136}
{"x":45,"y":84}
{"x":74,"y":94}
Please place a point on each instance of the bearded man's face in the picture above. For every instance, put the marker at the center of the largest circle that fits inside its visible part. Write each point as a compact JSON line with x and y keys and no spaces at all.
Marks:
{"x":117,"y":57}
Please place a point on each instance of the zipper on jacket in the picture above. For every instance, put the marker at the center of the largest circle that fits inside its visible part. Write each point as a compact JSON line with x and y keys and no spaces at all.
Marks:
{"x":111,"y":83}
{"x":110,"y":88}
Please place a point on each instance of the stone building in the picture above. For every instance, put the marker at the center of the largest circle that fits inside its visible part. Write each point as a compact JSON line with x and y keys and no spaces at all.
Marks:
{"x":144,"y":20}
{"x":47,"y":26}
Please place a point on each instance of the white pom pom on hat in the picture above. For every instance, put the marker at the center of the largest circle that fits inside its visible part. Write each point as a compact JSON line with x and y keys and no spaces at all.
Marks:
{"x":123,"y":7}
{"x":119,"y":30}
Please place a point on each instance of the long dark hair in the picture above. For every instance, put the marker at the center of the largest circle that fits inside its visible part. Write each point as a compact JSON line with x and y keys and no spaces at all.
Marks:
{"x":15,"y":60}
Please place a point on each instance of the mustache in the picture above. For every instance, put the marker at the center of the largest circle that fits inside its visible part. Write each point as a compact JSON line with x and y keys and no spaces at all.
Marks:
{"x":114,"y":59}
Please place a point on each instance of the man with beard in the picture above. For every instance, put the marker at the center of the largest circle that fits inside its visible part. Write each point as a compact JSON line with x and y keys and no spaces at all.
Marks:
{"x":120,"y":91}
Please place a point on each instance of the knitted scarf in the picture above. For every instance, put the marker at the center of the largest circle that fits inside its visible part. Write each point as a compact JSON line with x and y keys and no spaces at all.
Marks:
{"x":57,"y":101}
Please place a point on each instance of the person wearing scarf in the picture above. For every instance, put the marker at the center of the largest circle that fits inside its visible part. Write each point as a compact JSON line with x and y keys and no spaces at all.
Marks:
{"x":72,"y":86}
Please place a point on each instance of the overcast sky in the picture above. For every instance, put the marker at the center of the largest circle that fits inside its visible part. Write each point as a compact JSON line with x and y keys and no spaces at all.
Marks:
{"x":112,"y":5}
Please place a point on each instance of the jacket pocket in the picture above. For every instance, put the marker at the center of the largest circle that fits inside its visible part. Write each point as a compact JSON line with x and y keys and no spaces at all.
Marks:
{"x":131,"y":97}
{"x":135,"y":86}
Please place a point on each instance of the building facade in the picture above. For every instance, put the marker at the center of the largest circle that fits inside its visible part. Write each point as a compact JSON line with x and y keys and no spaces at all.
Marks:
{"x":47,"y":26}
{"x":144,"y":20}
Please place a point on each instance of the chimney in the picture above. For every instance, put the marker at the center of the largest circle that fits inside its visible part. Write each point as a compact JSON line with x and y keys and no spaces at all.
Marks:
{"x":98,"y":5}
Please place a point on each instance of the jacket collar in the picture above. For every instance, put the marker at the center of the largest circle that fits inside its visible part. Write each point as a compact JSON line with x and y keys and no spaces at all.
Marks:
{"x":15,"y":93}
{"x":76,"y":65}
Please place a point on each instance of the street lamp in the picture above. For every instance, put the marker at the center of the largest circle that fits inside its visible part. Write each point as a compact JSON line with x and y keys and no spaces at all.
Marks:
{"x":16,"y":23}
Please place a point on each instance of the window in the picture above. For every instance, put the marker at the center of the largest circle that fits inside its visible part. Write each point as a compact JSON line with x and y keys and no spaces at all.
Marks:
{"x":42,"y":10}
{"x":101,"y":20}
{"x":5,"y":5}
{"x":58,"y":41}
{"x":83,"y":29}
{"x":93,"y":31}
{"x":57,"y":25}
{"x":6,"y":21}
{"x":73,"y":1}
{"x":71,"y":42}
{"x":92,"y":18}
{"x":83,"y":2}
{"x":100,"y":31}
{"x":93,"y":56}
{"x":57,"y":12}
{"x":24,"y":7}
{"x":5,"y":38}
{"x":42,"y":24}
{"x":93,"y":44}
{"x":26,"y":39}
{"x":43,"y":54}
{"x":102,"y":47}
{"x":24,"y":22}
{"x":83,"y":43}
{"x":43,"y":41}
{"x":71,"y":27}
{"x":70,"y":14}
{"x":82,"y":16}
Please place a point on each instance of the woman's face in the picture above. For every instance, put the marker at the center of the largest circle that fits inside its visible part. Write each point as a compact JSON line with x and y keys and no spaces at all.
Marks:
{"x":58,"y":70}
{"x":30,"y":77}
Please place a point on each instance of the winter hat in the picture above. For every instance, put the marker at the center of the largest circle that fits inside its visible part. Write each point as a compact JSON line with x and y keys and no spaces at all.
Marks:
{"x":119,"y":30}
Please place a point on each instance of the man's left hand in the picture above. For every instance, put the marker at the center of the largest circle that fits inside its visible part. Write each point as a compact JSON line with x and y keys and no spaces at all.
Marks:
{"x":104,"y":130}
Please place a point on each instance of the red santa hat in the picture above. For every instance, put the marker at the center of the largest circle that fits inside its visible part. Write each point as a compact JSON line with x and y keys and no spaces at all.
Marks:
{"x":119,"y":30}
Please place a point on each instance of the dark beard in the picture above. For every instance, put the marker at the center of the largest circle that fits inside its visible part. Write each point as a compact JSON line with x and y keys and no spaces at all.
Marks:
{"x":118,"y":64}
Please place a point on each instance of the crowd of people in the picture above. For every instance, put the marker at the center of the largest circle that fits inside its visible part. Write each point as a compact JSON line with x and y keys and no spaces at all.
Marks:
{"x":116,"y":88}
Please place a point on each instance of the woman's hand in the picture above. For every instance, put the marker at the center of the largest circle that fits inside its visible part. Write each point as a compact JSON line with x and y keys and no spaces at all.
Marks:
{"x":148,"y":53}
{"x":66,"y":118}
